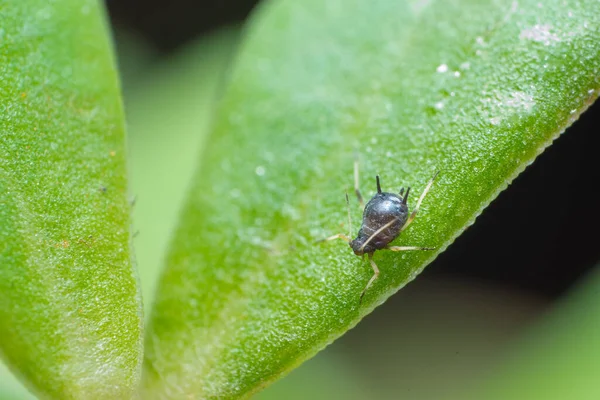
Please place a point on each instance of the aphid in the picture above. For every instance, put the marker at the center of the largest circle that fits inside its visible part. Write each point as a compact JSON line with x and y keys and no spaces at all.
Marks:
{"x":385,"y":216}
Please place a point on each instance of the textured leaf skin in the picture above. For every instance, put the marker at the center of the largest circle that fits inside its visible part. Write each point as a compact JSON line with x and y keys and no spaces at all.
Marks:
{"x":476,"y":89}
{"x":70,"y":309}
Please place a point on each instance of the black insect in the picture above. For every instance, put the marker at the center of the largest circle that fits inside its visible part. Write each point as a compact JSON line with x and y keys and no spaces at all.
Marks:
{"x":385,"y":216}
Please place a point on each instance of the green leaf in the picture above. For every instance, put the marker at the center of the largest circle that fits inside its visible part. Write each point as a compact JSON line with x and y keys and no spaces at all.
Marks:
{"x":69,"y":298}
{"x":11,"y":388}
{"x":474,"y":89}
{"x":168,"y":111}
{"x":558,"y":358}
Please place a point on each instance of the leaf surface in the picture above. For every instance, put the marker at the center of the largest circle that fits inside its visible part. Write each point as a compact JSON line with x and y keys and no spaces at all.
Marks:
{"x":476,"y":89}
{"x":69,"y":296}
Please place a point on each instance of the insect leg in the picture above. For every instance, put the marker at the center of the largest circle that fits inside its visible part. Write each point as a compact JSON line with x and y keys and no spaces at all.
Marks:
{"x":406,"y":248}
{"x":375,"y":275}
{"x":356,"y":185}
{"x":416,"y":210}
{"x":377,"y":232}
{"x":338,"y":236}
{"x":341,"y":235}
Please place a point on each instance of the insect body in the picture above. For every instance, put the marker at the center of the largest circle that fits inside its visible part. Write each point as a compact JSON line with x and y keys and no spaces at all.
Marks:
{"x":385,"y":216}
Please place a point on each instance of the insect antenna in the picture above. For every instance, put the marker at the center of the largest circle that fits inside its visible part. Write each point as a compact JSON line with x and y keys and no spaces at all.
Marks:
{"x":349,"y":216}
{"x":361,"y":201}
{"x":405,"y":199}
{"x":378,"y":184}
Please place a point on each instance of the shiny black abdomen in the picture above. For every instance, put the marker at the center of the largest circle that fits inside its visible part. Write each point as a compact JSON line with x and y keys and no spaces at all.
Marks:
{"x":382,"y":209}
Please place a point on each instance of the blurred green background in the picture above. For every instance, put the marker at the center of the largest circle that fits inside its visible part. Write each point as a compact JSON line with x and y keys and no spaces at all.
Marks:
{"x":491,"y":319}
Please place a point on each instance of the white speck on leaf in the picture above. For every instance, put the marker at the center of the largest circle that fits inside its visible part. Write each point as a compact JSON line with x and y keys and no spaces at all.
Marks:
{"x":540,"y":33}
{"x":260,"y":170}
{"x":520,"y":99}
{"x":442,"y":68}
